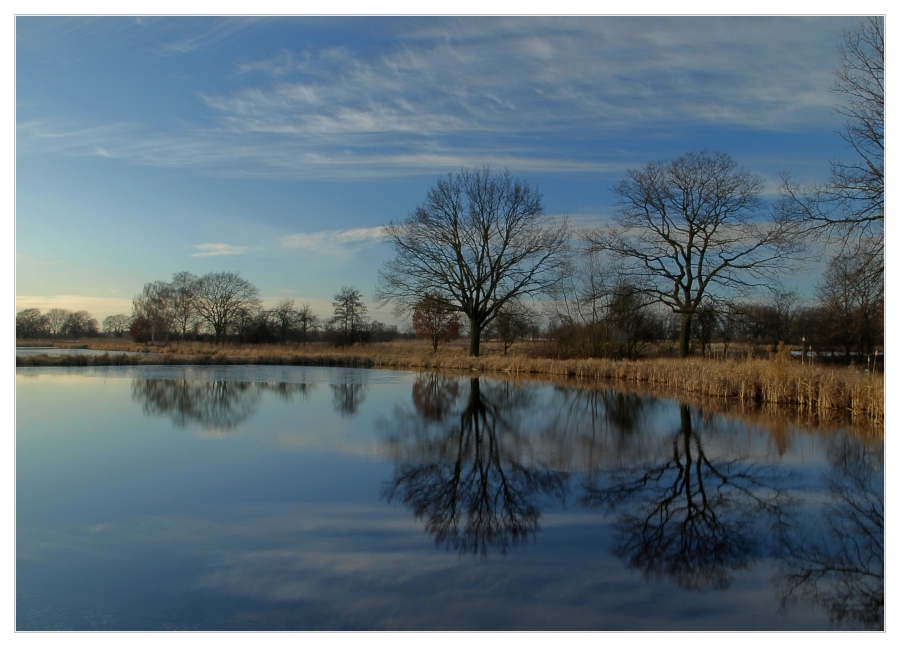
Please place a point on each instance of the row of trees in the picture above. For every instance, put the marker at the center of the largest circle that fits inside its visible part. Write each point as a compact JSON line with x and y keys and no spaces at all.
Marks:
{"x":56,"y":322}
{"x":226,"y":306}
{"x":220,"y":302}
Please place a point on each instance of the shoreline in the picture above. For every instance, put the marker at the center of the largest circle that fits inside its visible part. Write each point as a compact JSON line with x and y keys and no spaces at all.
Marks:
{"x":813,"y":390}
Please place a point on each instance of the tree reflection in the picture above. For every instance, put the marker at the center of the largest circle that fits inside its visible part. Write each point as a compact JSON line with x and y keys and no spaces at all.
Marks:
{"x":836,"y":557}
{"x":685,"y":517}
{"x":215,"y":405}
{"x":348,"y":398}
{"x":461,"y":467}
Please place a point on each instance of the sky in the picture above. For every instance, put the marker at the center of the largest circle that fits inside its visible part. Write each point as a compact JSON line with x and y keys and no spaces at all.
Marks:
{"x":277,"y":147}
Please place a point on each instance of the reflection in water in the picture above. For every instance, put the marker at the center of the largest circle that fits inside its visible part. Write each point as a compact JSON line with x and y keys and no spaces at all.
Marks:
{"x":220,"y":405}
{"x":348,"y":398}
{"x":460,"y":465}
{"x":687,"y":517}
{"x":837,"y":557}
{"x":479,"y":461}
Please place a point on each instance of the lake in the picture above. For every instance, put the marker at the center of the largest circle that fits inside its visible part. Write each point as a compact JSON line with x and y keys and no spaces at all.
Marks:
{"x":306,"y":498}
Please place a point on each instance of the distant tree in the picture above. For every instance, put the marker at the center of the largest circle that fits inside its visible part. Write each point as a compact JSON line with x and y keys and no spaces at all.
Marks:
{"x":691,"y":225}
{"x":707,"y":319}
{"x":154,"y":304}
{"x":284,"y":315}
{"x":246,"y":320}
{"x":222,"y":298}
{"x":514,"y":322}
{"x":139,"y":330}
{"x":306,"y":322}
{"x":633,"y":319}
{"x":852,"y":305}
{"x":116,"y":325}
{"x":56,"y":317}
{"x":377,"y":332}
{"x":30,"y":323}
{"x":349,"y":320}
{"x":183,"y":306}
{"x":80,"y":324}
{"x":479,"y":240}
{"x":579,"y":304}
{"x":434,"y":321}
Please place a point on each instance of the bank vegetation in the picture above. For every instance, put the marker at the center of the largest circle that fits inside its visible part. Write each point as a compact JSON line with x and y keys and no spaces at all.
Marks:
{"x":780,"y":379}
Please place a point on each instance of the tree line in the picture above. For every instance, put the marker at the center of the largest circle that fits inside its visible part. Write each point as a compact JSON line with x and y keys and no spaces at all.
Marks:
{"x":218,"y":306}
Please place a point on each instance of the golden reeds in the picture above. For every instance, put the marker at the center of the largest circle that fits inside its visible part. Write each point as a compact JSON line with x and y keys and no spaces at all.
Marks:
{"x":781,"y":380}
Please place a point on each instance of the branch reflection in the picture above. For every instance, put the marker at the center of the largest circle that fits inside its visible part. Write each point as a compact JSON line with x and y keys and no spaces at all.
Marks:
{"x":686,"y":517}
{"x":835,"y":556}
{"x":461,"y":465}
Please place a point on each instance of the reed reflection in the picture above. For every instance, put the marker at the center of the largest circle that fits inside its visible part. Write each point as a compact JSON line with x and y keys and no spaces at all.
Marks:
{"x":835,"y":556}
{"x":461,"y":465}
{"x":219,"y":405}
{"x":686,"y":517}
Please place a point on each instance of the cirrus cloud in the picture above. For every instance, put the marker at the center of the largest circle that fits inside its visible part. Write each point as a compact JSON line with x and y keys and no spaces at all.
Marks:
{"x":218,"y":249}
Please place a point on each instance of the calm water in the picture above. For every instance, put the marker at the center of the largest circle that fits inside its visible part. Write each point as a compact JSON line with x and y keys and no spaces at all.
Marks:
{"x":152,"y":498}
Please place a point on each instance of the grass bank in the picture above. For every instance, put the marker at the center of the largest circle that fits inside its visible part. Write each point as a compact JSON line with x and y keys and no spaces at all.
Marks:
{"x":782,"y":381}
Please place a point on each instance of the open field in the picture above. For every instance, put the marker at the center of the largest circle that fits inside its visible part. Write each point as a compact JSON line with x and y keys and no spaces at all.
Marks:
{"x":811,"y":390}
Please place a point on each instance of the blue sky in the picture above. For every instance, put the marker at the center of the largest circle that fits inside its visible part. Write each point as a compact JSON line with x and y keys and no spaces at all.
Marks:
{"x":276,"y":147}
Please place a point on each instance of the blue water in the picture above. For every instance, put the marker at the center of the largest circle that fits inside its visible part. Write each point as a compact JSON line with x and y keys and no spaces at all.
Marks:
{"x":271,"y":498}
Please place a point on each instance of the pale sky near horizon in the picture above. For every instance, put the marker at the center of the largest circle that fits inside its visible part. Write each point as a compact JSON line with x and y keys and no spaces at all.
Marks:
{"x":277,"y":147}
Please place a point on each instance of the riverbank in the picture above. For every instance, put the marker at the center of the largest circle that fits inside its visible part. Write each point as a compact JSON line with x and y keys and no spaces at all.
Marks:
{"x":784,"y":381}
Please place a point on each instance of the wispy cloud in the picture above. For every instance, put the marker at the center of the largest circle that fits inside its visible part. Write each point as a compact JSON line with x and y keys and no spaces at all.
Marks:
{"x":218,"y":249}
{"x":336,"y":243}
{"x":522,"y":93}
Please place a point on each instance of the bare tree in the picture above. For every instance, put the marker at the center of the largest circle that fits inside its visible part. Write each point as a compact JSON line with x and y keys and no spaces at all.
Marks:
{"x":183,"y":307}
{"x":349,"y":318}
{"x":432,"y":320}
{"x":223,"y":297}
{"x":116,"y":325}
{"x":514,"y":322}
{"x":849,"y":208}
{"x":56,"y":317}
{"x":852,"y":305}
{"x":692,"y":225}
{"x":154,"y":305}
{"x":579,"y":304}
{"x":285,"y":316}
{"x":30,"y":323}
{"x":80,"y":323}
{"x":306,"y":321}
{"x":481,"y":239}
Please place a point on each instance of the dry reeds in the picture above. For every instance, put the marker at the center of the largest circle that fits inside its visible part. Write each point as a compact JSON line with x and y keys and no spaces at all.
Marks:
{"x":812,"y":389}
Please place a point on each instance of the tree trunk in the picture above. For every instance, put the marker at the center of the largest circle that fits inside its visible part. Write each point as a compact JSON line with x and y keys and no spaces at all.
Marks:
{"x":684,"y":339}
{"x":474,"y":338}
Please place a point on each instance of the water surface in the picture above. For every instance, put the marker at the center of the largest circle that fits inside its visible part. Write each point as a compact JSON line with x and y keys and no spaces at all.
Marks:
{"x":153,"y":498}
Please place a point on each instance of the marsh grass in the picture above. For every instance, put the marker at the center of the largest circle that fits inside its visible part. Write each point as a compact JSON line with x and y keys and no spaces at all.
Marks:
{"x":812,"y":390}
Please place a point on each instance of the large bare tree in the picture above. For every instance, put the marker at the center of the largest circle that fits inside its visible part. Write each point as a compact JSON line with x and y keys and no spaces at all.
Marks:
{"x":480,"y":239}
{"x":848,"y":210}
{"x":221,"y":298}
{"x":692,"y":226}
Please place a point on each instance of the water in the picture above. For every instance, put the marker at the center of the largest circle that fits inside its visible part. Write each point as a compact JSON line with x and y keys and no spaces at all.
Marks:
{"x":270,"y":498}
